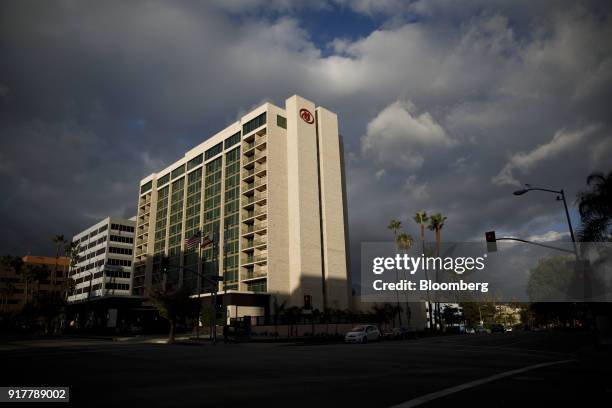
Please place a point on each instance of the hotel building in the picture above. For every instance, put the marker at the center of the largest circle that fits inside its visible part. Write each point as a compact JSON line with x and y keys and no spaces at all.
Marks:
{"x":269,"y":189}
{"x":104,"y":265}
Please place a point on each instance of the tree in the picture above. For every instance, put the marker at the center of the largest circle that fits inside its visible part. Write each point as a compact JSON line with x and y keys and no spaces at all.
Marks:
{"x":174,"y":305}
{"x":421,"y":218}
{"x":451,"y":315}
{"x":60,"y":243}
{"x":383,"y":313}
{"x":436,"y":223}
{"x":404,"y":241}
{"x":595,"y":207}
{"x":395,"y":226}
{"x":71,"y":250}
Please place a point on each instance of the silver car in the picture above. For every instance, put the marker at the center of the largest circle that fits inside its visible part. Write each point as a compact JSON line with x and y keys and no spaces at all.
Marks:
{"x":362,"y":334}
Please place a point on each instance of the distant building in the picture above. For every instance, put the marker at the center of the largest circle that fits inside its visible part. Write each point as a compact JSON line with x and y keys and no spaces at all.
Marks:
{"x":270,"y":189}
{"x":13,"y":286}
{"x":104,"y":264}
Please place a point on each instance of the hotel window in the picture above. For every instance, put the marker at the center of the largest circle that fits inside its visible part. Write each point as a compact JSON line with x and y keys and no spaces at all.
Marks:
{"x":195,"y":162}
{"x":232,"y":140}
{"x":281,"y":121}
{"x":254,"y":123}
{"x":163,"y":180}
{"x":178,"y":171}
{"x":146,"y":187}
{"x":213,"y":151}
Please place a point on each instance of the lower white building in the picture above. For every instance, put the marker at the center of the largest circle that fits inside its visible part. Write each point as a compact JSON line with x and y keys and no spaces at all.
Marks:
{"x":104,"y":266}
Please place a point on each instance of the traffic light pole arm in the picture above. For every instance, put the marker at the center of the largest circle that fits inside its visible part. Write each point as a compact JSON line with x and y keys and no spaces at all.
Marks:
{"x":535,"y":243}
{"x":199,"y":274}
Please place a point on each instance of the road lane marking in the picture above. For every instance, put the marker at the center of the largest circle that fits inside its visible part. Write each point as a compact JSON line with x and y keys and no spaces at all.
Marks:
{"x":452,"y":390}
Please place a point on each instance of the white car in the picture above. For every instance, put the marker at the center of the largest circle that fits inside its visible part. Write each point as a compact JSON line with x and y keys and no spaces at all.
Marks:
{"x":362,"y":334}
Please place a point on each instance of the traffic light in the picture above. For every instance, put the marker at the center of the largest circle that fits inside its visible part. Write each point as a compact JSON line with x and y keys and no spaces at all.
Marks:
{"x":165,"y":264}
{"x":491,"y":241}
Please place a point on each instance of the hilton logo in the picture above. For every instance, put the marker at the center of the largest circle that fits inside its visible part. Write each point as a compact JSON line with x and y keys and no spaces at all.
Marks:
{"x":306,"y":116}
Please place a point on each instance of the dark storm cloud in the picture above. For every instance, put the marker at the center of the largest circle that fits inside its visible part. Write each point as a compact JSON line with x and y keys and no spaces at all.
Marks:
{"x":445,"y":107}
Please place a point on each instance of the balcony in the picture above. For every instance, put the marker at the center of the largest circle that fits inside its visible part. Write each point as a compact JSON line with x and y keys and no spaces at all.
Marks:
{"x":251,"y":244}
{"x":258,"y":157}
{"x":255,"y":273}
{"x":249,"y":174}
{"x":256,"y":184}
{"x":251,"y":200}
{"x":256,"y":227}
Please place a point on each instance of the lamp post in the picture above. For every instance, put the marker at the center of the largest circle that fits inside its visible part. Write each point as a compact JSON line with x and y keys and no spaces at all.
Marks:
{"x":560,"y":197}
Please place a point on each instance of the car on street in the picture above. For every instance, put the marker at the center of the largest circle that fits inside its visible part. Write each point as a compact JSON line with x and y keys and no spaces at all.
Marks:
{"x":481,"y":330}
{"x":470,"y":330}
{"x":362,"y":334}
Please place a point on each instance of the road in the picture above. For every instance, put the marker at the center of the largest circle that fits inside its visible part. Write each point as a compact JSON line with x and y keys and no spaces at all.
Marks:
{"x":503,"y":369}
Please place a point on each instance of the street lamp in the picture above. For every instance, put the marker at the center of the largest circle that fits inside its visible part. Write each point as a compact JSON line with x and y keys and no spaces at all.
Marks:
{"x":560,"y":197}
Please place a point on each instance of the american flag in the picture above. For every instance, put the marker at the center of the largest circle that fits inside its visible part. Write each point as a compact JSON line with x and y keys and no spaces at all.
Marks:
{"x":193,"y":241}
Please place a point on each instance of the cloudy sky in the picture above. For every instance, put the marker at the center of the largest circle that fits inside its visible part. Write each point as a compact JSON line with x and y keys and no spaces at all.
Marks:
{"x":445,"y":106}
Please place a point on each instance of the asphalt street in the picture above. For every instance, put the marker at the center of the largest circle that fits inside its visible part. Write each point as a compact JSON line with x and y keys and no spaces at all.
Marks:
{"x":505,"y":369}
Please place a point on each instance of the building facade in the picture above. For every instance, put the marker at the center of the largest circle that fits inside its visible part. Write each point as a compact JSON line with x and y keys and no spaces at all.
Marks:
{"x":104,"y":264}
{"x":269,"y":190}
{"x":48,"y":277}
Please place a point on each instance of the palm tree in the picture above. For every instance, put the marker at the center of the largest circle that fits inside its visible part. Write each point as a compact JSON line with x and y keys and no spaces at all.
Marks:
{"x":595,"y":207}
{"x":436,"y":223}
{"x":59,"y":242}
{"x":404,"y":240}
{"x":421,"y":218}
{"x":71,"y":250}
{"x":396,"y":226}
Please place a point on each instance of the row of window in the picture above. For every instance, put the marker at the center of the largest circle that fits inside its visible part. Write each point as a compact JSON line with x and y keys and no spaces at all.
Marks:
{"x":121,"y":227}
{"x":213,"y":151}
{"x":122,"y":251}
{"x":119,"y":262}
{"x":92,"y":234}
{"x":117,"y":286}
{"x":125,"y":240}
{"x":254,"y":124}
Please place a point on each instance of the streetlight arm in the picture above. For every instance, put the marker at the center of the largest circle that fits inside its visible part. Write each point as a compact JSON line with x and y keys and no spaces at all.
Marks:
{"x":544,"y":189}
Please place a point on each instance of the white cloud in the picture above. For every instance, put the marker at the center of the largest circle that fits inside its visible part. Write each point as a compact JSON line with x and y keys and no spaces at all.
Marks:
{"x":399,"y":136}
{"x":418,"y":191}
{"x":549,"y":236}
{"x":525,"y":161}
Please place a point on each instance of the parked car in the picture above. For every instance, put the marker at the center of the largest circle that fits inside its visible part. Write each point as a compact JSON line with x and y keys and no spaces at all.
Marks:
{"x":470,"y":330}
{"x":481,"y":330}
{"x":362,"y":334}
{"x":509,"y":328}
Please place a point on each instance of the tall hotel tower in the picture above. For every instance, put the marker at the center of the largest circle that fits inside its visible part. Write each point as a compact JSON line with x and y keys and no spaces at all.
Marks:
{"x":270,"y":190}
